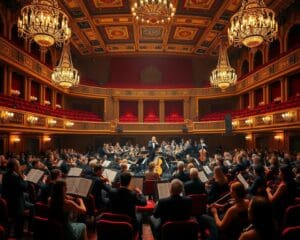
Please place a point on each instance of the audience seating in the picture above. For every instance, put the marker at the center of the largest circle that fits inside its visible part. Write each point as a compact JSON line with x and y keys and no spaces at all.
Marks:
{"x":41,"y":210}
{"x":107,"y":230}
{"x":19,"y":103}
{"x":2,"y":233}
{"x":115,"y":217}
{"x":199,"y":202}
{"x":179,"y":230}
{"x":47,"y":229}
{"x":292,"y":216}
{"x":291,"y":233}
{"x":3,"y":213}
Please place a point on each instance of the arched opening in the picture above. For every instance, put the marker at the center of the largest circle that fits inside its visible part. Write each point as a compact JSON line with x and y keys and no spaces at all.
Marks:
{"x":245,"y":68}
{"x":293,"y":40}
{"x":18,"y":41}
{"x":258,"y":59}
{"x":48,"y":59}
{"x":274,"y":49}
{"x":35,"y":50}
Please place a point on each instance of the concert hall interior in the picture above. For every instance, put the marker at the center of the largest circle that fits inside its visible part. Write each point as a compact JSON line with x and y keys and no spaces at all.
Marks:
{"x":150,"y":119}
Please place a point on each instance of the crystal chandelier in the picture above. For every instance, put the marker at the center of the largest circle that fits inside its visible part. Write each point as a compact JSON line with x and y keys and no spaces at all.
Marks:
{"x":153,"y":11}
{"x":44,"y":22}
{"x":223,"y":75}
{"x":252,"y":24}
{"x":65,"y":75}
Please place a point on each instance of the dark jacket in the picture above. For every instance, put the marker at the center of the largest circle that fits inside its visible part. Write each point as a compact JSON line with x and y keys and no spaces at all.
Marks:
{"x":182,"y":176}
{"x":194,"y":187}
{"x":173,"y":208}
{"x":124,"y":201}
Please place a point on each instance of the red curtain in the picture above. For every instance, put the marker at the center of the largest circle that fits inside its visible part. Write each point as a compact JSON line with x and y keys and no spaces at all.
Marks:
{"x":34,"y":89}
{"x":275,"y":91}
{"x":258,"y":96}
{"x":294,"y":85}
{"x":151,"y":72}
{"x":246,"y":101}
{"x":151,"y":111}
{"x":128,"y":111}
{"x":48,"y":94}
{"x":174,"y":111}
{"x":16,"y":83}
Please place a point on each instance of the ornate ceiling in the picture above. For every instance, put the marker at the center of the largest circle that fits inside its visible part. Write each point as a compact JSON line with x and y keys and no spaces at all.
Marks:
{"x":107,"y":26}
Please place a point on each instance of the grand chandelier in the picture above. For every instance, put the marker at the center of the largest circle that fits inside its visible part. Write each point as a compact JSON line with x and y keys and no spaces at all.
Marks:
{"x":223,"y":75}
{"x":44,"y":22}
{"x":153,"y":11}
{"x":65,"y":75}
{"x":252,"y":24}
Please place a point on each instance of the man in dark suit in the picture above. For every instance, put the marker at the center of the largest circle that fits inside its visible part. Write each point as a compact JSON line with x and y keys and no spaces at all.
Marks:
{"x":194,"y":186}
{"x":13,"y":187}
{"x":173,"y":208}
{"x":180,"y":173}
{"x":152,"y":146}
{"x":123,"y":201}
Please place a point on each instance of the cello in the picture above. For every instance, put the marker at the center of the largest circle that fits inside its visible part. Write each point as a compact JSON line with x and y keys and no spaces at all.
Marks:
{"x":202,"y":155}
{"x":158,"y":163}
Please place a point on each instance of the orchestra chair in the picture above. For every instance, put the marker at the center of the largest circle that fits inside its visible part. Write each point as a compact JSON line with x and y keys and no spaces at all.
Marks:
{"x":115,"y":217}
{"x":41,"y":209}
{"x":2,"y":233}
{"x":107,"y":230}
{"x":199,"y":202}
{"x":90,"y":204}
{"x":292,"y":216}
{"x":178,"y":230}
{"x":290,"y":233}
{"x":47,"y":229}
{"x":149,"y":188}
{"x":146,"y":209}
{"x":31,"y":193}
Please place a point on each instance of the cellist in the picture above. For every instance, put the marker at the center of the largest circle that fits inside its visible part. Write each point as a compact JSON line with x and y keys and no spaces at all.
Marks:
{"x":202,"y":151}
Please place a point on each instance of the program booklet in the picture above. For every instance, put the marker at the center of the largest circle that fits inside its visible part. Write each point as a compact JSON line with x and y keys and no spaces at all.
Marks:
{"x":163,"y":190}
{"x":202,"y":177}
{"x":74,"y":172}
{"x":110,"y":174}
{"x":78,"y":186}
{"x":243,"y":181}
{"x":136,"y":182}
{"x":34,"y":175}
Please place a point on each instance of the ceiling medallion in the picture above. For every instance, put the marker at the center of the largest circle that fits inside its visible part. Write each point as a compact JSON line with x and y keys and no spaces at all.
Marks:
{"x":223,"y":75}
{"x":44,"y":22}
{"x":252,"y":24}
{"x":153,"y":11}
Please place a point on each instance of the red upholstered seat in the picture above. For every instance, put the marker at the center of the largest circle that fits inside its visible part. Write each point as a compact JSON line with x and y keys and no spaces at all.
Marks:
{"x":41,"y":210}
{"x":292,"y":216}
{"x":148,"y":208}
{"x":46,"y":229}
{"x":291,"y":233}
{"x":199,"y":202}
{"x":179,"y":230}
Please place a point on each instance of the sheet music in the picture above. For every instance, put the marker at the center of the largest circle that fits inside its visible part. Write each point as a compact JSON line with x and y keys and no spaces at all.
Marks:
{"x":78,"y":186}
{"x":1,"y":177}
{"x":34,"y":175}
{"x":105,"y":163}
{"x":136,"y":182}
{"x":60,"y":162}
{"x":128,"y":165}
{"x":163,"y":190}
{"x":110,"y":174}
{"x":207,"y":170}
{"x":243,"y":181}
{"x":202,"y":177}
{"x":74,"y":172}
{"x":227,"y":163}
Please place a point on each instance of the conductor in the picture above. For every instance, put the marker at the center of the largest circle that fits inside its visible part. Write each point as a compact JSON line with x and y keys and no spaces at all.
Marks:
{"x":152,"y":146}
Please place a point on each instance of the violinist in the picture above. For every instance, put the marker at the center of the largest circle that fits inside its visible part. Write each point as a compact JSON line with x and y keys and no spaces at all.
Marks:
{"x":180,"y":173}
{"x":151,"y":174}
{"x":100,"y":185}
{"x":259,"y":184}
{"x":219,"y":185}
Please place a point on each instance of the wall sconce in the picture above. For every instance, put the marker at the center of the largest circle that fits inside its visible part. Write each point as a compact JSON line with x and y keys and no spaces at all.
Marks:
{"x":288,"y":116}
{"x":33,"y":98}
{"x":278,"y":137}
{"x":6,"y":115}
{"x":69,"y":124}
{"x":51,"y":122}
{"x":249,"y":121}
{"x":235,"y":123}
{"x":15,"y":139}
{"x":58,"y":106}
{"x":32,"y":119}
{"x":248,"y":137}
{"x":46,"y":139}
{"x":15,"y":92}
{"x":47,"y":102}
{"x":267,"y":119}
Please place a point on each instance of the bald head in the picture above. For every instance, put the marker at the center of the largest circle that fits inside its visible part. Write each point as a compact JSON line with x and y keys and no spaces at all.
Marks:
{"x":180,"y":166}
{"x":176,"y":187}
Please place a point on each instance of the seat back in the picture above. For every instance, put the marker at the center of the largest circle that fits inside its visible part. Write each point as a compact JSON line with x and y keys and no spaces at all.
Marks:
{"x":3,"y":212}
{"x":149,"y":187}
{"x":292,"y":216}
{"x":41,"y":210}
{"x":290,"y":233}
{"x":179,"y":230}
{"x":47,"y":229}
{"x":199,"y":202}
{"x":2,"y":233}
{"x":107,"y":230}
{"x":115,"y":217}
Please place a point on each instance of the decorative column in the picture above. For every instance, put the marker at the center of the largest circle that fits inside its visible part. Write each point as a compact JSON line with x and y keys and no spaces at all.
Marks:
{"x":241,"y":102}
{"x":186,"y":110}
{"x":27,"y":88}
{"x":251,"y":100}
{"x":116,"y":107}
{"x":53,"y":99}
{"x":284,"y":89}
{"x":140,"y":111}
{"x":9,"y":80}
{"x":42,"y":94}
{"x":161,"y":110}
{"x":267,"y":94}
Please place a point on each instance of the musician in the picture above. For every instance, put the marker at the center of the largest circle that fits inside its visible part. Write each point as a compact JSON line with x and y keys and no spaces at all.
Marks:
{"x":259,"y":185}
{"x":219,"y":185}
{"x":173,"y":208}
{"x":124,"y":201}
{"x":202,"y":144}
{"x":152,"y":147}
{"x":180,"y":173}
{"x":151,"y":174}
{"x":194,"y":186}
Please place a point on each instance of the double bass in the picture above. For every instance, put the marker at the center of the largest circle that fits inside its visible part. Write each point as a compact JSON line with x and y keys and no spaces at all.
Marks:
{"x":158,"y":163}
